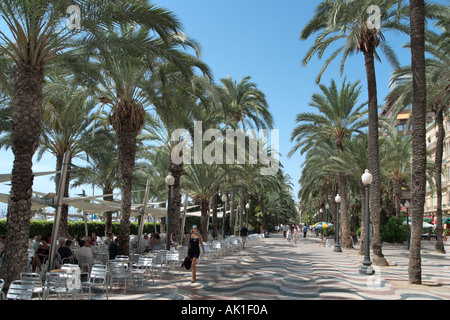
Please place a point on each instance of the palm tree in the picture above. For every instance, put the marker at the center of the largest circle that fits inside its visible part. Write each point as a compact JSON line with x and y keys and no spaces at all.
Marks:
{"x":339,"y":117}
{"x":67,"y":114}
{"x":397,"y":163}
{"x":437,"y":74}
{"x":37,"y":40}
{"x":102,"y":169}
{"x":180,"y":103}
{"x":245,"y":103}
{"x":347,"y":21}
{"x":130,"y":78}
{"x":203,"y":181}
{"x":419,"y":154}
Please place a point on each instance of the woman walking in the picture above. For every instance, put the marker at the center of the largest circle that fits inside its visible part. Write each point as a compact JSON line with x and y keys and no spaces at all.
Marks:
{"x":195,"y":239}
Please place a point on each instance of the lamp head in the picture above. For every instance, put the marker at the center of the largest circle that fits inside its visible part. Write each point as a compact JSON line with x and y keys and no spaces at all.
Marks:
{"x":170,"y":180}
{"x":367,"y":178}
{"x":338,"y":198}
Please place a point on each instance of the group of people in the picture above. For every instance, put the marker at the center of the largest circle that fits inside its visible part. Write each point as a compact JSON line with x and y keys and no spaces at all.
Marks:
{"x":148,"y":243}
{"x":292,"y":231}
{"x":41,"y":248}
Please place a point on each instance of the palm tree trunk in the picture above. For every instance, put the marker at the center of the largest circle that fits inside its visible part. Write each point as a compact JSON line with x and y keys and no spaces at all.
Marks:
{"x":214,"y":204}
{"x":418,"y":180}
{"x":397,"y":197}
{"x":126,"y":147}
{"x":439,"y":247}
{"x":343,"y":221}
{"x":108,"y":215}
{"x":26,"y":124}
{"x":374,"y":160}
{"x":204,"y":208}
{"x":232,"y":213}
{"x":175,"y":205}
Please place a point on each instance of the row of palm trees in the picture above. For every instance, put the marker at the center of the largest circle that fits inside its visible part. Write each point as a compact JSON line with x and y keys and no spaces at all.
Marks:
{"x":339,"y":134}
{"x":112,"y":92}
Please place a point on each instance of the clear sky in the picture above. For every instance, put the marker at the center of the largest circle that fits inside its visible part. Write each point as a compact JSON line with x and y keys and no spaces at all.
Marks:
{"x":260,"y":39}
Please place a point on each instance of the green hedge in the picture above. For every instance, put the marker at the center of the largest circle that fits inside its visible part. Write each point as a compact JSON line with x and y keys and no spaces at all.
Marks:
{"x":46,"y":227}
{"x":393,"y":231}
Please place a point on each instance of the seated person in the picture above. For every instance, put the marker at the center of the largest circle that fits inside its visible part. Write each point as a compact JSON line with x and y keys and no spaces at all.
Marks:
{"x":41,"y":254}
{"x":84,"y":256}
{"x":65,"y":251}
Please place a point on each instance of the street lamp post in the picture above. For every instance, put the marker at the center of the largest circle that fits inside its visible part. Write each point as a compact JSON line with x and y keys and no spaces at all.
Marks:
{"x":224,"y":200}
{"x":337,"y":246}
{"x":170,"y":180}
{"x":407,"y":224}
{"x":326,"y":210}
{"x":247,"y":206}
{"x":366,"y":268}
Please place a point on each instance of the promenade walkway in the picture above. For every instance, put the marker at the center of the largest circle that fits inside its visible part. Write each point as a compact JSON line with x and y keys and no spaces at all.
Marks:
{"x":277,"y":270}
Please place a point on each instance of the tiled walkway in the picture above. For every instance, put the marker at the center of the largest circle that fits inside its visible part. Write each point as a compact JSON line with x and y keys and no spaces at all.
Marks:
{"x":276,"y":270}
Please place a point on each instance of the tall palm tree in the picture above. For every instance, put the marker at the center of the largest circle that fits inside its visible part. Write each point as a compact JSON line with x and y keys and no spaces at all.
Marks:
{"x":67,"y":113}
{"x":129,"y":79}
{"x":38,"y":40}
{"x":339,"y":117}
{"x":347,"y":21}
{"x":419,"y":154}
{"x":203,"y":180}
{"x":397,"y":163}
{"x":102,"y":170}
{"x":180,"y":103}
{"x":437,"y":75}
{"x":245,"y":103}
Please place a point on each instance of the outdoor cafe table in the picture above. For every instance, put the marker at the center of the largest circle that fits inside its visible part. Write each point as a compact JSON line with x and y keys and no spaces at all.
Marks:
{"x":73,"y":275}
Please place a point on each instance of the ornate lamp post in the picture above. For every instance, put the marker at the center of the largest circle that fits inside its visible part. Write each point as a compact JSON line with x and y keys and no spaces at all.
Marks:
{"x":366,"y":268}
{"x":247,"y":206}
{"x":337,"y":246}
{"x":170,"y":180}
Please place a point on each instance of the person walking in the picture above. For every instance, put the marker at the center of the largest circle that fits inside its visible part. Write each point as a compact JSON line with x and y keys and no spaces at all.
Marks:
{"x":195,"y":240}
{"x":244,"y":234}
{"x":289,"y":233}
{"x":296,"y":231}
{"x":305,"y":230}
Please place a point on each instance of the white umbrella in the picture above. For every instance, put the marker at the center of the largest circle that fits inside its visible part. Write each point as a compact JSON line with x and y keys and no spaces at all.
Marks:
{"x":425,"y":224}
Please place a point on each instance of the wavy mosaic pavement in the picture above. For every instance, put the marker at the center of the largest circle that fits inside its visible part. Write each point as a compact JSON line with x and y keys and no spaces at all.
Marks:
{"x":279,"y":271}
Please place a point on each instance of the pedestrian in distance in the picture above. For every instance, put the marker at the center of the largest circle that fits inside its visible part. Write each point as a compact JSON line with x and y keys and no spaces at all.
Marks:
{"x":289,"y":234}
{"x":244,"y":234}
{"x":305,"y":230}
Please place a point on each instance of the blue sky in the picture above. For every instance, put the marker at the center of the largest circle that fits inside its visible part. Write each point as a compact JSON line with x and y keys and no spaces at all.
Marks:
{"x":257,"y":38}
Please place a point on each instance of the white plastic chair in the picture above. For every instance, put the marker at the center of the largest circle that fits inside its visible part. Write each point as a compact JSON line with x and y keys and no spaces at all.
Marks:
{"x":56,"y":282}
{"x":172,"y":261}
{"x":98,"y":276}
{"x":2,"y":294}
{"x":37,"y":281}
{"x":20,"y":290}
{"x":119,"y":272}
{"x":143,"y":267}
